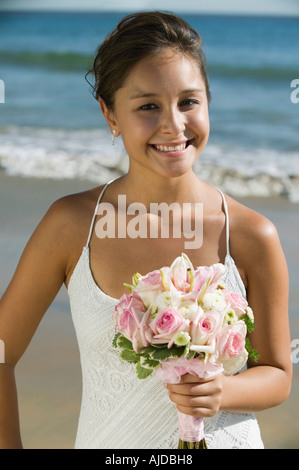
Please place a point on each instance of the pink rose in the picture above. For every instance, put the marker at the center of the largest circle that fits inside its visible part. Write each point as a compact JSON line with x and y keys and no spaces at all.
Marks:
{"x":236,"y":301}
{"x":126,"y":302}
{"x":231,"y":342}
{"x":148,"y":287}
{"x":166,"y":324}
{"x":205,"y":326}
{"x":122,"y":304}
{"x":131,"y":321}
{"x":151,"y":280}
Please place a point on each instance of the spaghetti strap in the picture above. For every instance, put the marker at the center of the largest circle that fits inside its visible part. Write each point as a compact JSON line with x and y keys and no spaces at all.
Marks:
{"x":227,"y":221}
{"x":95,"y":212}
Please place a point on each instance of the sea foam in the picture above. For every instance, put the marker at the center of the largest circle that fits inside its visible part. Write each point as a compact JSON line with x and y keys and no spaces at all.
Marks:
{"x":89,"y":155}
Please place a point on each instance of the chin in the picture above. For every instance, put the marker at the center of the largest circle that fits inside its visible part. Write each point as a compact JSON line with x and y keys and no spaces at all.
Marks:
{"x":175,"y":172}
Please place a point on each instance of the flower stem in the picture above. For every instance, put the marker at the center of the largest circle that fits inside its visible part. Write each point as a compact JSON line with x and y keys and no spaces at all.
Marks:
{"x":192,"y":445}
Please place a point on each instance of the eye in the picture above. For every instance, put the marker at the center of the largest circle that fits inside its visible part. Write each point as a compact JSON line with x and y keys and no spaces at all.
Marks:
{"x":148,"y":107}
{"x":188,"y":102}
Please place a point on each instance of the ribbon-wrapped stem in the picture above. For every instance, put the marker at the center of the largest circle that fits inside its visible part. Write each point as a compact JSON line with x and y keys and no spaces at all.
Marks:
{"x":191,"y":432}
{"x":191,"y":428}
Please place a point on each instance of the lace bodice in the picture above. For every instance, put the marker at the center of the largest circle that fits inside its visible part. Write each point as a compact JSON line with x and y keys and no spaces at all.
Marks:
{"x":119,"y":411}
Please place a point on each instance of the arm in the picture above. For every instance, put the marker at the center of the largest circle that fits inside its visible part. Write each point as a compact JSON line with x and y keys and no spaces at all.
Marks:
{"x":9,"y":416}
{"x":38,"y":277}
{"x":267,"y":383}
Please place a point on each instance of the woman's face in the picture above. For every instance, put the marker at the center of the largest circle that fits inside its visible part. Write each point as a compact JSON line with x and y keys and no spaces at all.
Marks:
{"x":162,"y":114}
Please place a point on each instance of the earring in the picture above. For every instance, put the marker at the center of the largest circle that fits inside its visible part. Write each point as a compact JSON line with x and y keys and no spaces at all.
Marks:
{"x":113,"y":136}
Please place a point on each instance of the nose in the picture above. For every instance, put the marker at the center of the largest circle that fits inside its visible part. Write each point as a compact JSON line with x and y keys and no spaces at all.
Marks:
{"x":172,"y":122}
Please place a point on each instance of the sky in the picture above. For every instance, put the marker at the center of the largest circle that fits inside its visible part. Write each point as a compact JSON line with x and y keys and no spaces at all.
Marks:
{"x":275,"y":7}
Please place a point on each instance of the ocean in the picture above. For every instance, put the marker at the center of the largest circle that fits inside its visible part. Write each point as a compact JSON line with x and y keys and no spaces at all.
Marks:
{"x":54,"y":141}
{"x":52,"y":127}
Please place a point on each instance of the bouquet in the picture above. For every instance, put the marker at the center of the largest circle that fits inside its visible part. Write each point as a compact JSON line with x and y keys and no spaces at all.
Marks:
{"x":179,"y":320}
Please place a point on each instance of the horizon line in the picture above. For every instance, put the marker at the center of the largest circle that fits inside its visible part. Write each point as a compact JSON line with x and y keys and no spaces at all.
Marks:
{"x":124,"y":10}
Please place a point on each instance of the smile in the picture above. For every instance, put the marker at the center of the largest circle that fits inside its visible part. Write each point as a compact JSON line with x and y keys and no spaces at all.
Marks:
{"x":173,"y":147}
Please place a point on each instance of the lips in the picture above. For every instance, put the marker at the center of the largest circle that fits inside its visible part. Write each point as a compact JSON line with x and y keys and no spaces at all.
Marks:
{"x":172,"y":147}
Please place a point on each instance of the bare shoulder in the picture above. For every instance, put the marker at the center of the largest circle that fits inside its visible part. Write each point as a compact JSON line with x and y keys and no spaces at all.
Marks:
{"x":254,"y":240}
{"x":250,"y":224}
{"x":70,"y":213}
{"x":65,"y":226}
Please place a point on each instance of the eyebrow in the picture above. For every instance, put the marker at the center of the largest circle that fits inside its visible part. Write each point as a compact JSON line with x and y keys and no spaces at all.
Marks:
{"x":141,"y":94}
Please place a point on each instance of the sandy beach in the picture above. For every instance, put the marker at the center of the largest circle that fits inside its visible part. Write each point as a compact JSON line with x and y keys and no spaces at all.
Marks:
{"x":49,"y":376}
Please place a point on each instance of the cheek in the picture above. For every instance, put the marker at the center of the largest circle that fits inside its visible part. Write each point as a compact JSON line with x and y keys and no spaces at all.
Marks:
{"x":203,"y":123}
{"x":145,"y":126}
{"x":139,"y":129}
{"x":204,"y":118}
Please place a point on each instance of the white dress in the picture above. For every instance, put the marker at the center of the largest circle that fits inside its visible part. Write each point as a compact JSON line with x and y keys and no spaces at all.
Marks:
{"x":119,"y":411}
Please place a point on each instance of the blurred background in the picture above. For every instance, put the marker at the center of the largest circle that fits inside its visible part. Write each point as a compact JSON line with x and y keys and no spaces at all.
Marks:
{"x":54,"y":141}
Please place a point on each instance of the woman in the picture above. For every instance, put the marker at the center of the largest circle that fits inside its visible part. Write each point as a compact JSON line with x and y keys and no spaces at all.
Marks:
{"x":152,"y":86}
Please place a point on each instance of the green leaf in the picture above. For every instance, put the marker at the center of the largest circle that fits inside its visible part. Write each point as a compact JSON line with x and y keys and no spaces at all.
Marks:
{"x":148,"y":351}
{"x":187,"y":349}
{"x":161,"y":354}
{"x":143,"y":372}
{"x":191,"y":355}
{"x":165,"y":353}
{"x":130,"y":356}
{"x":114,"y":342}
{"x":146,"y":362}
{"x":124,"y":343}
{"x":249,"y":323}
{"x":253,"y":355}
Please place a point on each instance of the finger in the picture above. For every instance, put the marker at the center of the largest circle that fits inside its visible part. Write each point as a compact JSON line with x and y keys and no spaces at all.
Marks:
{"x":189,"y":378}
{"x":192,"y":402}
{"x":196,"y":412}
{"x":188,"y":389}
{"x":196,"y":389}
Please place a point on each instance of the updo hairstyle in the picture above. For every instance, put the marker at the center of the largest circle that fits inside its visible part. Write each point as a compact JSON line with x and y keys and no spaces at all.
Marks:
{"x":137,"y":36}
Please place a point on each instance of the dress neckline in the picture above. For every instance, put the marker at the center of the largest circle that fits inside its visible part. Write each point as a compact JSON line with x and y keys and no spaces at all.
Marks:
{"x":228,"y":261}
{"x":104,"y":189}
{"x":85,"y":258}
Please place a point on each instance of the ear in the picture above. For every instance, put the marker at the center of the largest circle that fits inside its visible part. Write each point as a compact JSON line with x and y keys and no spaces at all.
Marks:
{"x":110,"y":117}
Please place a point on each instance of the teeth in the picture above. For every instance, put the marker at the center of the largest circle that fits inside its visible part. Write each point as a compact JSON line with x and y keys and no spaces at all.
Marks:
{"x":164,"y":148}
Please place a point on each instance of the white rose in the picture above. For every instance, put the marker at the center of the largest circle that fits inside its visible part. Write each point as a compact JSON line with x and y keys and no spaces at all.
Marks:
{"x":148,"y":298}
{"x":234,"y":365}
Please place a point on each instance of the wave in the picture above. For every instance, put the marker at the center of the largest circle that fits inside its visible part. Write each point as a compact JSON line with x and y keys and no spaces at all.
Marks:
{"x":251,"y":172}
{"x":56,"y":60}
{"x":89,"y":155}
{"x":263,"y":72}
{"x":75,"y":61}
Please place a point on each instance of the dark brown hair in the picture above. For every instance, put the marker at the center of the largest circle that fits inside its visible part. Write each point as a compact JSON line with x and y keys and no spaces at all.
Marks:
{"x":137,"y":36}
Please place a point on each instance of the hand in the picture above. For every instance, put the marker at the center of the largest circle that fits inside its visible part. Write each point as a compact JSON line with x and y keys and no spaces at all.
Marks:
{"x":197,"y":397}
